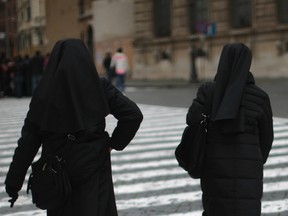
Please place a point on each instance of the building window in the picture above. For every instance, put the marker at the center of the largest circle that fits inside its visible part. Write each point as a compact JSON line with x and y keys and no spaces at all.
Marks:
{"x":198,"y":16}
{"x":81,"y":6}
{"x":28,"y":13}
{"x":162,"y":18}
{"x":282,"y":11}
{"x":240,"y":13}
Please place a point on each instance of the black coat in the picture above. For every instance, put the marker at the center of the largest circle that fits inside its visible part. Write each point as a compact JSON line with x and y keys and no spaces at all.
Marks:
{"x":36,"y":64}
{"x":89,"y":165}
{"x":232,"y":182}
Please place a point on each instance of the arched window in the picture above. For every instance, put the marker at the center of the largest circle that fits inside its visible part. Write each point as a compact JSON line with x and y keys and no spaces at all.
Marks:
{"x":198,"y":16}
{"x":240,"y":13}
{"x":282,"y":11}
{"x":162,"y":18}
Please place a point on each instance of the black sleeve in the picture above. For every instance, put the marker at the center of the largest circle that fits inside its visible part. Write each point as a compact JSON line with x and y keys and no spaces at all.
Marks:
{"x":127,"y":113}
{"x":193,"y":118}
{"x":28,"y":146}
{"x":194,"y":113}
{"x":266,"y":134}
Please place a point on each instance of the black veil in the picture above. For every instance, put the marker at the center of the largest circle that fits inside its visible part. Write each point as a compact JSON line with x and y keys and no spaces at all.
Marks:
{"x":69,"y":97}
{"x":231,"y":78}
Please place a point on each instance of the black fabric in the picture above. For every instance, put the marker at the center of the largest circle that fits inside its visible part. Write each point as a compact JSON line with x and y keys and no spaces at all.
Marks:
{"x":13,"y":193}
{"x":69,"y":97}
{"x":49,"y":182}
{"x":36,"y":64}
{"x":190,"y":153}
{"x":232,"y":182}
{"x":231,"y":77}
{"x":88,"y":163}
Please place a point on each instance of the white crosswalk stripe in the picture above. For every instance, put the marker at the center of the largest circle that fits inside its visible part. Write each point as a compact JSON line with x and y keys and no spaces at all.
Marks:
{"x":147,"y":179}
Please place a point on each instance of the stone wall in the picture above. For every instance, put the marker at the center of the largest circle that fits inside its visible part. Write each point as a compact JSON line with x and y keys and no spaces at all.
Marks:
{"x":267,"y":39}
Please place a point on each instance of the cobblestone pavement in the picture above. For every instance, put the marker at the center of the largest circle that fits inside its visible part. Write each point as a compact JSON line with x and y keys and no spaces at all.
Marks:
{"x":147,"y":179}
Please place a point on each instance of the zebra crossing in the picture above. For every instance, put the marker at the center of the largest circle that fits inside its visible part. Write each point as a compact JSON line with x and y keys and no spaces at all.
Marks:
{"x":147,"y":179}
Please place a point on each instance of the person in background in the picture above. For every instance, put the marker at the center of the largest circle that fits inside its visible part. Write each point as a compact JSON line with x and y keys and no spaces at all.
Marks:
{"x":9,"y":78}
{"x":71,"y":100}
{"x":110,"y":72}
{"x":18,"y":76}
{"x":120,"y":62}
{"x":240,"y":136}
{"x":45,"y":62}
{"x":36,"y":65}
{"x":3,"y":69}
{"x":27,"y":76}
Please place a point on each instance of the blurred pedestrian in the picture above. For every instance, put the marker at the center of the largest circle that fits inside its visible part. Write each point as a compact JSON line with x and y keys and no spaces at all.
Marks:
{"x":240,"y":135}
{"x":18,"y":76}
{"x":4,"y":78}
{"x":27,"y":76}
{"x":72,"y":101}
{"x":36,"y":65}
{"x":2,"y":73}
{"x":45,"y":62}
{"x":110,"y":72}
{"x":9,"y":77}
{"x":120,"y":62}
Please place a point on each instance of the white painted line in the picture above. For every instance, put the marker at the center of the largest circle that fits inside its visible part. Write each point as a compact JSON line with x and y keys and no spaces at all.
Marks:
{"x":148,"y":164}
{"x":159,"y":133}
{"x":168,"y":199}
{"x":155,"y":155}
{"x":192,"y":213}
{"x":155,"y":186}
{"x":275,"y":206}
{"x":281,"y":134}
{"x":158,"y":139}
{"x":276,"y":160}
{"x":22,"y":200}
{"x":27,"y":213}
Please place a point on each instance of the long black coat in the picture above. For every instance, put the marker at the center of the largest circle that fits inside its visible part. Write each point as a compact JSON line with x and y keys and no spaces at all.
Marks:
{"x":232,"y":182}
{"x":88,"y":162}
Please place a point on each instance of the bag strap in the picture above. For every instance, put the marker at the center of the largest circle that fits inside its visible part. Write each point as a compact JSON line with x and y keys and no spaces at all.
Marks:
{"x":71,"y":138}
{"x":207,"y":106}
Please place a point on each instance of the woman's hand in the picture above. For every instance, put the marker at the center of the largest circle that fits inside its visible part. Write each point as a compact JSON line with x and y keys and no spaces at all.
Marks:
{"x":13,"y":193}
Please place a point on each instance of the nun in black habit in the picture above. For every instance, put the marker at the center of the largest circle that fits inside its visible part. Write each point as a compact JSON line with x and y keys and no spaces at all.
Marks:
{"x":240,"y":136}
{"x":72,"y":99}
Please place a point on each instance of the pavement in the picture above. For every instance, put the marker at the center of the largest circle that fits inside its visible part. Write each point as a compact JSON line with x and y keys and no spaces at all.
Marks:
{"x":147,"y":179}
{"x":182,"y":92}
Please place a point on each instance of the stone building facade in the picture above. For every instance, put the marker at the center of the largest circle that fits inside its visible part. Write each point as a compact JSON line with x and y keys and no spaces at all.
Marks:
{"x":8,"y":27}
{"x":31,"y":26}
{"x":183,"y":39}
{"x":113,"y":24}
{"x":61,"y":21}
{"x":104,"y":25}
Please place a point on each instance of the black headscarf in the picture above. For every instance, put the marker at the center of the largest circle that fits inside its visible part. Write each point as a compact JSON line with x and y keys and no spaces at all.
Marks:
{"x":231,"y":78}
{"x":69,"y":97}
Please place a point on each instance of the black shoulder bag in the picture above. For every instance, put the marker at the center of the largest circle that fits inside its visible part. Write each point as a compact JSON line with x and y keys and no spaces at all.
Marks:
{"x":190,"y":153}
{"x":49,"y":182}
